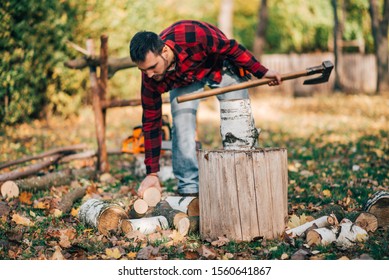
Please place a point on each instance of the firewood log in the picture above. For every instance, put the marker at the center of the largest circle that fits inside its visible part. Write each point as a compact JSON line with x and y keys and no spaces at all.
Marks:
{"x":186,"y":204}
{"x":144,"y":225}
{"x":320,"y":222}
{"x":9,"y":189}
{"x":324,"y":236}
{"x":367,"y":221}
{"x":138,"y":209}
{"x":103,"y":215}
{"x":152,"y":196}
{"x":68,"y":199}
{"x":378,"y":205}
{"x":349,"y":234}
{"x":176,"y":219}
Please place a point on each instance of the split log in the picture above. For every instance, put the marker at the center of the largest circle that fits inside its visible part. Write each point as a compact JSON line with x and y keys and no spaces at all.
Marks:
{"x":9,"y":190}
{"x":68,"y":199}
{"x":145,"y":225}
{"x":367,"y":221}
{"x":102,"y":215}
{"x":323,"y":236}
{"x":62,"y":150}
{"x":349,"y":234}
{"x":243,"y":194}
{"x":176,"y":219}
{"x":378,"y":205}
{"x":32,"y":169}
{"x":60,"y":178}
{"x":152,"y":196}
{"x":321,"y":222}
{"x":194,"y":224}
{"x":139,"y":209}
{"x":186,"y":204}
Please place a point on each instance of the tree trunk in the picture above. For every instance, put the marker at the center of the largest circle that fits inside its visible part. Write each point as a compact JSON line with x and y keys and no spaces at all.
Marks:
{"x":338,"y":31}
{"x":260,"y":35}
{"x":243,"y":194}
{"x":380,"y":35}
{"x":226,"y":17}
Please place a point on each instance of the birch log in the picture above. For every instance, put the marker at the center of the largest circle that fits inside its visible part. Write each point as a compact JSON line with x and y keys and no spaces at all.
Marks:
{"x":378,"y":205}
{"x":103,"y":215}
{"x":367,"y":221}
{"x":186,"y":204}
{"x":324,"y":236}
{"x":324,"y":221}
{"x":152,"y":196}
{"x":176,"y":219}
{"x":138,"y":209}
{"x":145,"y":225}
{"x":349,"y":234}
{"x":243,"y":194}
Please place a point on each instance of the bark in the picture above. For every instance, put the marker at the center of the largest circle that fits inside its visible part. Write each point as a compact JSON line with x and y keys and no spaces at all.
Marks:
{"x":324,"y":236}
{"x":32,"y":169}
{"x":349,"y":234}
{"x":62,"y":150}
{"x":380,"y":34}
{"x":176,"y":219}
{"x":186,"y":204}
{"x":144,"y":225}
{"x":260,"y":35}
{"x":338,"y":31}
{"x":70,"y":198}
{"x":60,"y":178}
{"x":138,"y":209}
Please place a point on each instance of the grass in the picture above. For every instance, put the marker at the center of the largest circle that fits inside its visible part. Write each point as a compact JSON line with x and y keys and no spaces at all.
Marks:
{"x":338,"y":154}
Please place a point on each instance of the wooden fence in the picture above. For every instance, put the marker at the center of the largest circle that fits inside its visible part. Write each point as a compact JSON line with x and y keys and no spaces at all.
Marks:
{"x":358,"y":72}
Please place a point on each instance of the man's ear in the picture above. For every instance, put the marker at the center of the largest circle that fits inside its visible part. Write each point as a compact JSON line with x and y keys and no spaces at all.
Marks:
{"x":165,"y":52}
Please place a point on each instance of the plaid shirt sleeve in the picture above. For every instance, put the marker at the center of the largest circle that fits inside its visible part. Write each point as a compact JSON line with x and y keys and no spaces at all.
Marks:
{"x":152,"y":122}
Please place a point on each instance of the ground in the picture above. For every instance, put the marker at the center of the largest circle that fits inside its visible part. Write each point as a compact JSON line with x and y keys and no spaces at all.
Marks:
{"x":338,"y":154}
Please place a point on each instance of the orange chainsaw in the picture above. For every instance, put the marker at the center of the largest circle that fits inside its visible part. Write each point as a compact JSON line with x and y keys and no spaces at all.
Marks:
{"x":135,"y":144}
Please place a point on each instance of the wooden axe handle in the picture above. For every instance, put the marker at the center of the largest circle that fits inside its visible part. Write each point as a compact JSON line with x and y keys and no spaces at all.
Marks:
{"x":243,"y":85}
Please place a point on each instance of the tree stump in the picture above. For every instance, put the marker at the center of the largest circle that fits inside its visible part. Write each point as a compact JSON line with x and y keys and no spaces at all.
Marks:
{"x":243,"y":194}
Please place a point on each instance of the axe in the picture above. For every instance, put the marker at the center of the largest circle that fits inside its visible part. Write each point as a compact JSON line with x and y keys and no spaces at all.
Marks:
{"x":324,"y":69}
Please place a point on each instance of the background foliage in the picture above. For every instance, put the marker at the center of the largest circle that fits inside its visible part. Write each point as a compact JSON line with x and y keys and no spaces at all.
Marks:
{"x":33,"y":34}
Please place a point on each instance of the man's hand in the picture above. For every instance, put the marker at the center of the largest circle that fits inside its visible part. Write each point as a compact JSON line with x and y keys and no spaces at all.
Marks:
{"x":151,"y":180}
{"x":271,"y":74}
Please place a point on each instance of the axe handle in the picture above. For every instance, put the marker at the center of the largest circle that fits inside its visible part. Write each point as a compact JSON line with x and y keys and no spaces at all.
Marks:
{"x":243,"y":85}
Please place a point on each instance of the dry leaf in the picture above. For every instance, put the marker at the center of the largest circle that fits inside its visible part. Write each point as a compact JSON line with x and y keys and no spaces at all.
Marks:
{"x":113,"y":253}
{"x":295,"y":221}
{"x":176,"y":237}
{"x":57,"y":213}
{"x":221,"y":241}
{"x":74,"y":212}
{"x":25,"y":197}
{"x":206,"y":252}
{"x":132,"y":255}
{"x":327,"y":193}
{"x":20,"y":220}
{"x":57,"y":254}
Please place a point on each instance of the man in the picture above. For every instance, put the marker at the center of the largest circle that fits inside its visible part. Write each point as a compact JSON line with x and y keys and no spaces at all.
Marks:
{"x":182,"y":59}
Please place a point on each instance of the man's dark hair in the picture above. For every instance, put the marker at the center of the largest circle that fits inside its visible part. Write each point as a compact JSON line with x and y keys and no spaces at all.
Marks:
{"x":142,"y":43}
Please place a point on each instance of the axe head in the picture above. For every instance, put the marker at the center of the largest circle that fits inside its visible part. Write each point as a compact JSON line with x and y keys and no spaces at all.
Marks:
{"x":325,"y":69}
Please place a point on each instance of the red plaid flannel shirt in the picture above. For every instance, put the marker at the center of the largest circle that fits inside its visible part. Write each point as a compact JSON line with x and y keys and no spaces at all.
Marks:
{"x":200,"y":49}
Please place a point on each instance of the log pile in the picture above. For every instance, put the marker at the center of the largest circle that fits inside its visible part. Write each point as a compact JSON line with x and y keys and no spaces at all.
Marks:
{"x":110,"y":218}
{"x":327,"y":230}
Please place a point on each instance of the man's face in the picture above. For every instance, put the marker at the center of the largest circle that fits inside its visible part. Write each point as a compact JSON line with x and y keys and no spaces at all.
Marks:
{"x":154,"y":66}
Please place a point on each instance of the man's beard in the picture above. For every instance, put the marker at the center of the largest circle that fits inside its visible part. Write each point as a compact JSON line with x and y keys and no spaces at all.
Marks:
{"x":160,"y":77}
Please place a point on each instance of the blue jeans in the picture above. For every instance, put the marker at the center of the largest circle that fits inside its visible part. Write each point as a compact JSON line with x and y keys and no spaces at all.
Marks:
{"x":184,"y":159}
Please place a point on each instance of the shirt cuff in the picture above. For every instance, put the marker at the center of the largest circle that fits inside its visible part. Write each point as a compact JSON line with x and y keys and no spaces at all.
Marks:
{"x":153,"y":168}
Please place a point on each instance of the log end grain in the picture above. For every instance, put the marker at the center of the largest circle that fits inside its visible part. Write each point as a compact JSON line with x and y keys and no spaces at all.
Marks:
{"x":193,"y":207}
{"x":152,"y":196}
{"x":110,"y":219}
{"x":9,"y":189}
{"x":367,"y":221}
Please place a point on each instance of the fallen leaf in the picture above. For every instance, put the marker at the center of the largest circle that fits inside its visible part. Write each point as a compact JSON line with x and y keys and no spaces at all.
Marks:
{"x":25,"y":197}
{"x":145,"y":253}
{"x":20,"y":220}
{"x":74,"y":212}
{"x":113,"y":253}
{"x":57,"y":213}
{"x":221,"y":241}
{"x":326,"y":193}
{"x":206,"y":252}
{"x":284,"y":256}
{"x":57,"y":254}
{"x":176,"y":237}
{"x":132,"y":255}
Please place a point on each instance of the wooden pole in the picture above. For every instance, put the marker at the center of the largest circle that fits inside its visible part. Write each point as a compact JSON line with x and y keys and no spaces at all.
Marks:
{"x":102,"y":158}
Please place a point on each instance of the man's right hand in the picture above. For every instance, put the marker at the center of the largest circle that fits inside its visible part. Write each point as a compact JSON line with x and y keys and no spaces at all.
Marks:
{"x":150,"y":181}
